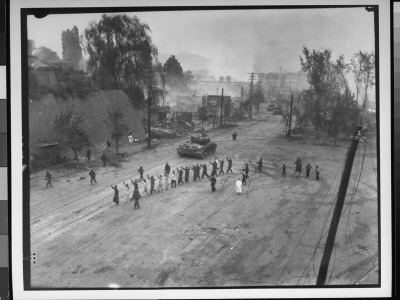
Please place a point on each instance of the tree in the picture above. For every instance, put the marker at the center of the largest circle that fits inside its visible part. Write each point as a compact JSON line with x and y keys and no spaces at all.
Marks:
{"x":135,"y":94}
{"x":188,"y":77}
{"x":68,"y":124}
{"x":46,"y":54}
{"x":367,"y":62}
{"x":221,"y":78}
{"x":174,"y":73}
{"x":320,"y":73}
{"x":119,"y":48}
{"x":357,"y":73}
{"x":258,"y":98}
{"x":71,"y":48}
{"x":118,"y":128}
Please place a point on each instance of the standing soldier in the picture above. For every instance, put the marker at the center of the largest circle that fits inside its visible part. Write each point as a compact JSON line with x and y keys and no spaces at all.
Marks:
{"x":152,"y":180}
{"x":108,"y":145}
{"x":136,"y":197}
{"x":88,"y":154}
{"x":116,"y":195}
{"x":205,"y":173}
{"x":48,"y":177}
{"x":260,"y":165}
{"x":180,"y":173}
{"x":213,"y":182}
{"x":167,"y":169}
{"x":173,"y":180}
{"x":135,"y":184}
{"x":187,"y":169}
{"x":283,"y":169}
{"x":92,"y":175}
{"x":234,"y":135}
{"x":229,"y":165}
{"x":159,"y":187}
{"x":221,"y":167}
{"x":308,"y":169}
{"x":141,"y":173}
{"x":316,"y":173}
{"x":104,"y":159}
{"x":127,"y":191}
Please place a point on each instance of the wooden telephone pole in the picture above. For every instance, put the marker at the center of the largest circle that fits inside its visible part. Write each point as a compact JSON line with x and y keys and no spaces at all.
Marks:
{"x":251,"y":95}
{"x":222,"y":101}
{"x":330,"y":240}
{"x":148,"y":112}
{"x":290,"y":115}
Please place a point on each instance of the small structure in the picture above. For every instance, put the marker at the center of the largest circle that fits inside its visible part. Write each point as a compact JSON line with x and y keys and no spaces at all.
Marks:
{"x":47,"y":73}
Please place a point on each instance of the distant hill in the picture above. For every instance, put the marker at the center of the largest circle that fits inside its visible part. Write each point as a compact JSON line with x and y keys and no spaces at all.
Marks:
{"x":188,"y":61}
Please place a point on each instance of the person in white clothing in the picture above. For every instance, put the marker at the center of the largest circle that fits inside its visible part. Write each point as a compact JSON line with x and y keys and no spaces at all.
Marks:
{"x":239,"y":187}
{"x":127,"y":192}
{"x":173,"y":180}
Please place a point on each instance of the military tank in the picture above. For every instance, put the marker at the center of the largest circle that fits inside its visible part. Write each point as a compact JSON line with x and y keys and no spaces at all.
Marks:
{"x":199,"y":146}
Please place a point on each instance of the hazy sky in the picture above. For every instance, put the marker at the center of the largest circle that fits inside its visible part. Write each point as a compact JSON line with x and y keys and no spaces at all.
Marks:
{"x":237,"y":41}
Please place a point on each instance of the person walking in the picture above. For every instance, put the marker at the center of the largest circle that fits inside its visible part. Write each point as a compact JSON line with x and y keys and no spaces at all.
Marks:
{"x":140,"y":170}
{"x":92,"y":175}
{"x":88,"y":154}
{"x":116,"y":195}
{"x":167,"y":169}
{"x":136,"y":196}
{"x":239,"y":185}
{"x":145,"y":189}
{"x":298,"y":167}
{"x":126,"y":191}
{"x":104,"y":159}
{"x":152,"y":180}
{"x":48,"y":177}
{"x":135,"y":184}
{"x":244,"y":177}
{"x":166,"y":183}
{"x":221,"y":167}
{"x":260,"y":165}
{"x":213,"y":182}
{"x":229,"y":165}
{"x":180,"y":173}
{"x":317,"y":173}
{"x":198,"y":171}
{"x":194,"y":173}
{"x":187,"y":169}
{"x":234,"y":135}
{"x":173,"y":180}
{"x":159,"y":187}
{"x":308,"y":169}
{"x":283,"y":169}
{"x":214,"y":168}
{"x":246,"y":169}
{"x":204,"y":173}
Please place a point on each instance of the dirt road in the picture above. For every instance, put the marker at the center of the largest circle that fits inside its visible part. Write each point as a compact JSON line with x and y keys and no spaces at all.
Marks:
{"x":273,"y":234}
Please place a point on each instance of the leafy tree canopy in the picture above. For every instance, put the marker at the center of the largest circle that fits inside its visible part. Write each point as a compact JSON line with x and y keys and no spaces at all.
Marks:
{"x":120,"y":49}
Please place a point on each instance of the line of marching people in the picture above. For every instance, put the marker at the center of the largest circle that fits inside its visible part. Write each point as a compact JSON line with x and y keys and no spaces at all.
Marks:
{"x":173,"y":178}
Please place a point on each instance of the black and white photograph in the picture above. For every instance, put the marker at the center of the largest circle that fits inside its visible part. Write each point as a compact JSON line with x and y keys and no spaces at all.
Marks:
{"x":202,"y":147}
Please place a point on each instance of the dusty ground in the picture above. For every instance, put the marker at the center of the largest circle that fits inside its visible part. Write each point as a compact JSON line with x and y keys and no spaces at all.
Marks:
{"x":190,"y":237}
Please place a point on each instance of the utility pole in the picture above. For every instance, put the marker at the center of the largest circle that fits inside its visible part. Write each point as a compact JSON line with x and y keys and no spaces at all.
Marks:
{"x":290,"y":115}
{"x":251,"y":96}
{"x":323,"y":269}
{"x":222,"y":101}
{"x":149,"y":113}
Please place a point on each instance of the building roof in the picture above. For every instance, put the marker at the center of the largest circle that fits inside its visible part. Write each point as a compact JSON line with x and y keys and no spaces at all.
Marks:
{"x":37,"y":63}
